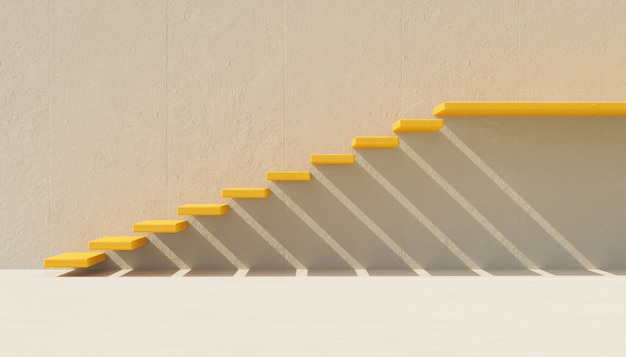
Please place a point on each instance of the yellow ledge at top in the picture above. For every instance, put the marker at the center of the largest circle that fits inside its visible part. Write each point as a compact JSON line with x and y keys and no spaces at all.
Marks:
{"x":531,"y":109}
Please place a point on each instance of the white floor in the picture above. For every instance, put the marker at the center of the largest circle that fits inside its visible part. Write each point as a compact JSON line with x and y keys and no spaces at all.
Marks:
{"x":41,"y":314}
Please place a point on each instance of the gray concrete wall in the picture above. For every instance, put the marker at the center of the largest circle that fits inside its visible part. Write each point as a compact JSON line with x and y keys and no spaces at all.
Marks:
{"x":112,"y":112}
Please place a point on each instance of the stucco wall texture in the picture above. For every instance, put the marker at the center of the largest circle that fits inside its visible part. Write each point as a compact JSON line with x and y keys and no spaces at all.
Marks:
{"x":116,"y":111}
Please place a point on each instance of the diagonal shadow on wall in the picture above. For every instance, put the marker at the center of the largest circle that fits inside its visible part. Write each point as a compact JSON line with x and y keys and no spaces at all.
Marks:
{"x":343,"y":226}
{"x":195,"y":251}
{"x":446,"y":213}
{"x":243,"y":241}
{"x":488,"y":199}
{"x":148,"y":257}
{"x":294,"y":235}
{"x":564,"y":172}
{"x":391,"y":217}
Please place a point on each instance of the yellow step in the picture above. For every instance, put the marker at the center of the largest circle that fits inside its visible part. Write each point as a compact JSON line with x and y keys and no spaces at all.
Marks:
{"x":531,"y":108}
{"x":361,"y":142}
{"x":74,"y":260}
{"x":332,"y":159}
{"x":160,"y":226}
{"x":288,"y":175}
{"x":215,"y":209}
{"x":259,"y":192}
{"x":117,"y":243}
{"x":417,"y":125}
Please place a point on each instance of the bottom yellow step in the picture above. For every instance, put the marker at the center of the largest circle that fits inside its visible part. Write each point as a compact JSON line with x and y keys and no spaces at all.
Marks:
{"x":160,"y":226}
{"x":118,"y":243}
{"x":202,"y":209}
{"x":74,"y":260}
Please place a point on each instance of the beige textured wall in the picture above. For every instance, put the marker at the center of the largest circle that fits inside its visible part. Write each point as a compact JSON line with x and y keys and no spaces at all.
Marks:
{"x":115,"y":111}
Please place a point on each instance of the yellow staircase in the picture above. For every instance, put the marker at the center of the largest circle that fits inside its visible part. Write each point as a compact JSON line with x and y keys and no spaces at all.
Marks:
{"x":88,"y":259}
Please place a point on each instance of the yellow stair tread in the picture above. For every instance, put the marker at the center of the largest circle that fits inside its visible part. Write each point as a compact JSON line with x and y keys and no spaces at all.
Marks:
{"x":531,"y":108}
{"x":417,"y":125}
{"x":375,"y":142}
{"x":248,"y":192}
{"x":288,"y":175}
{"x":332,"y":159}
{"x":117,"y":243}
{"x":207,"y":209}
{"x":74,"y":260}
{"x":160,"y":226}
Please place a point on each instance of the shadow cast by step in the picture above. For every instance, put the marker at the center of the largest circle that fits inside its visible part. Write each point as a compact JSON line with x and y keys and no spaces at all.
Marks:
{"x":294,"y":235}
{"x":342,"y":225}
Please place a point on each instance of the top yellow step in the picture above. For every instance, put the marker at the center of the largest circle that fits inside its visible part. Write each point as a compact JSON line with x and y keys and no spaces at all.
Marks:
{"x":417,"y":125}
{"x":531,"y":108}
{"x":362,"y":142}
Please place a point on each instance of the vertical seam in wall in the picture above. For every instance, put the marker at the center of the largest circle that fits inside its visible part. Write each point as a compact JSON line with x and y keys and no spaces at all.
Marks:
{"x":285,"y":85}
{"x":49,"y":127}
{"x":166,"y":118}
{"x":404,"y":227}
{"x":401,"y":59}
{"x":284,"y":101}
{"x":519,"y":46}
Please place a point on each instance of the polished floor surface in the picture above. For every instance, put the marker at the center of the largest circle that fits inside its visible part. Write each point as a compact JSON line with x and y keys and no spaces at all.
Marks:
{"x":61,"y":313}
